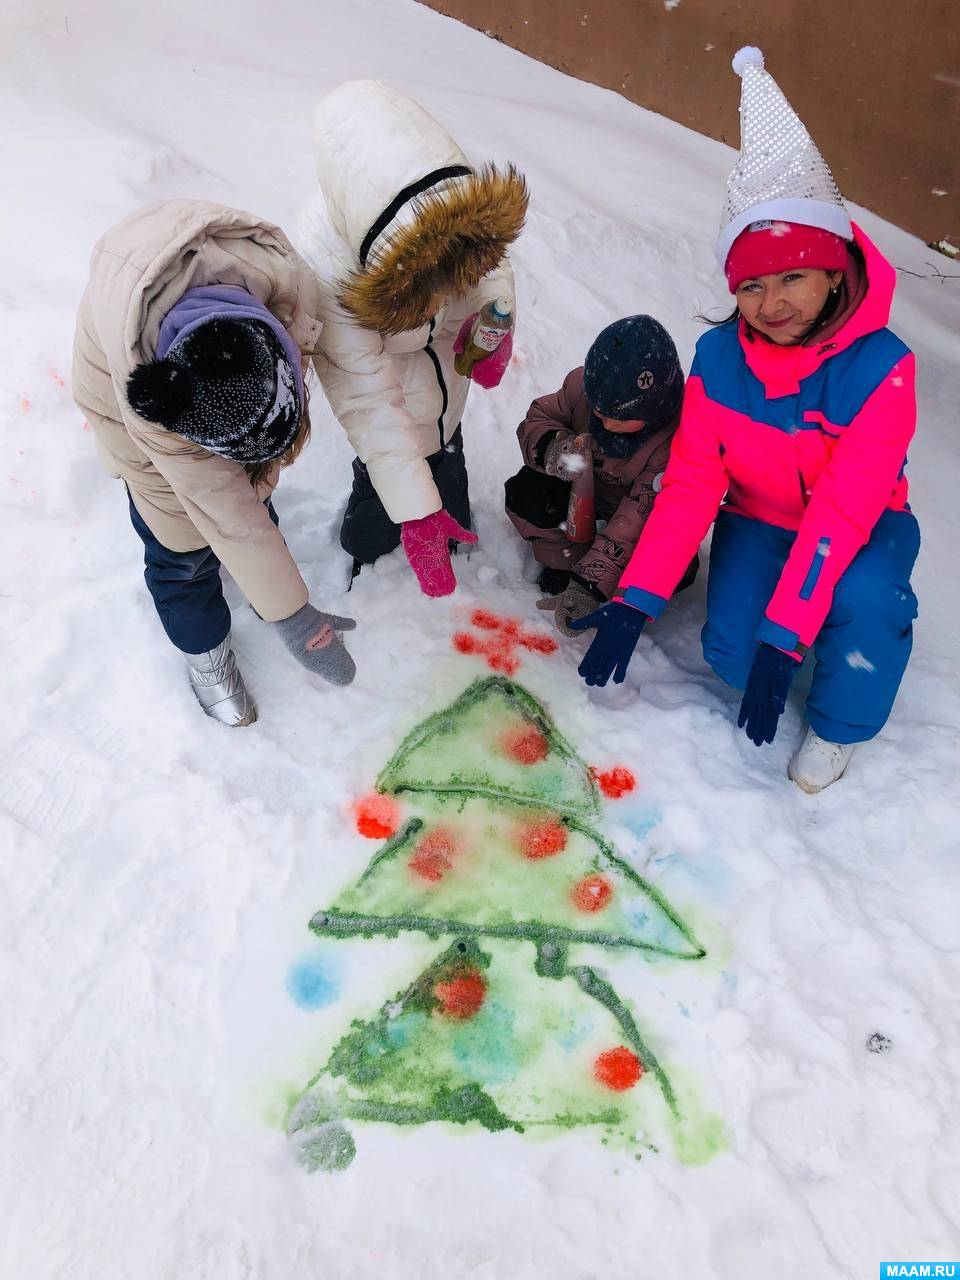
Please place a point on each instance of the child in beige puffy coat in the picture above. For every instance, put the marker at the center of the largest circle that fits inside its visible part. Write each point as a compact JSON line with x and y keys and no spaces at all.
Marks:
{"x":188,"y":357}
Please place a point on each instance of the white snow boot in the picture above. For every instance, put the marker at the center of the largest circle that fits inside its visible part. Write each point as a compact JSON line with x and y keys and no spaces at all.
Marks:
{"x":219,"y":688}
{"x":817,"y":763}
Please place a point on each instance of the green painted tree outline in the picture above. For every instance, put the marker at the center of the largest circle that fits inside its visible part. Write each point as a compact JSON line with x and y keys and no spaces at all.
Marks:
{"x":471,"y":1103}
{"x":395,"y":781}
{"x":551,"y":941}
{"x":357,"y":1061}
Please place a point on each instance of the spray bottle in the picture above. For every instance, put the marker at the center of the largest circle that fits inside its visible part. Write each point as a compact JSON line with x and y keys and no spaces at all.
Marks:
{"x":582,"y":510}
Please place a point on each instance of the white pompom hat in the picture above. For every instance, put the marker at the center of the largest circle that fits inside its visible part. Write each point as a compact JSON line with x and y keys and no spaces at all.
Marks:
{"x":780,"y":175}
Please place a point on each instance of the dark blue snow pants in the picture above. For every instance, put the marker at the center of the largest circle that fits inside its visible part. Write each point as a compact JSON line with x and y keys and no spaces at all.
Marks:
{"x":186,"y":590}
{"x":367,"y":532}
{"x":864,"y":645}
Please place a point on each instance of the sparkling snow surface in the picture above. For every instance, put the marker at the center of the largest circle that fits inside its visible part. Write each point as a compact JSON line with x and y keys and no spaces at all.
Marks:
{"x":161,"y":997}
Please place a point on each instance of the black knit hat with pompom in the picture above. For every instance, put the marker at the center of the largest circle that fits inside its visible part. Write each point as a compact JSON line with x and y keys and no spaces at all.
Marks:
{"x":226,"y":385}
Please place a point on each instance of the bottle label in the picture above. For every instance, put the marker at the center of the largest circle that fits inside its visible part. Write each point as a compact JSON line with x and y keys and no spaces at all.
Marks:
{"x":487,"y":337}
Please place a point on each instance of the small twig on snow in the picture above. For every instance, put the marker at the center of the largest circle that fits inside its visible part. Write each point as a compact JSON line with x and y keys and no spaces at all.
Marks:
{"x":935,"y":274}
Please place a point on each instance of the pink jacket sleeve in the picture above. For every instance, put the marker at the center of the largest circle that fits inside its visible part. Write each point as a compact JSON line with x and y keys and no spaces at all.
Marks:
{"x":850,"y":496}
{"x":694,"y":484}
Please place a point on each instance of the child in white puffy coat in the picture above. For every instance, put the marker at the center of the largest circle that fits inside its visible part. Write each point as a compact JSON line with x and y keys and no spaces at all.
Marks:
{"x":408,"y":243}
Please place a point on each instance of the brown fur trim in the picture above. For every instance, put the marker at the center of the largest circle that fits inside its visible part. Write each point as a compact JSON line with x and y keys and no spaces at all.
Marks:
{"x":456,"y":237}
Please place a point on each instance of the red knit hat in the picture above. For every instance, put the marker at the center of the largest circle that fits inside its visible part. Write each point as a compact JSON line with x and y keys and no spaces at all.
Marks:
{"x":766,"y":248}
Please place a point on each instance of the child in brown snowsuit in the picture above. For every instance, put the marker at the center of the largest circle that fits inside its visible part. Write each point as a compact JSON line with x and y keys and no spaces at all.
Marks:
{"x":618,"y":414}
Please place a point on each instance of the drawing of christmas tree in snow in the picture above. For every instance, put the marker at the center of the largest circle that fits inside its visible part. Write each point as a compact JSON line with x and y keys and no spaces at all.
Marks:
{"x":503,"y":1030}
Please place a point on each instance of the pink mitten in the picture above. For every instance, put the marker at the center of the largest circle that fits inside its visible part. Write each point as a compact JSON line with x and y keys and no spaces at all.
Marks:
{"x":425,"y":544}
{"x":488,"y":372}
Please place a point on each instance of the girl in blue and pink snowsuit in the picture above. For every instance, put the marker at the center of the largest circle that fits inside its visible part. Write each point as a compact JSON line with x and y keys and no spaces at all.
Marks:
{"x":795,"y":428}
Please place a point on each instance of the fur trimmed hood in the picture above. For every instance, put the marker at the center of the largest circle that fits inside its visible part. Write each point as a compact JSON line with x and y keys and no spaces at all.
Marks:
{"x":456,"y":235}
{"x":414,"y":216}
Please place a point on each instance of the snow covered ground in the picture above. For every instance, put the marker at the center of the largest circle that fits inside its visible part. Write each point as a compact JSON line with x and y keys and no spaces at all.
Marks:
{"x":158,"y":873}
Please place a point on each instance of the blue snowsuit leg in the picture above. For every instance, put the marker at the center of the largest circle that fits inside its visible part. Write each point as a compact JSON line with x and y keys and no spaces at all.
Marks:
{"x":864,"y":645}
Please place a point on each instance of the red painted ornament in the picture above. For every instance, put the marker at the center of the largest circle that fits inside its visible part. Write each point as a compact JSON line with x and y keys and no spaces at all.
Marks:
{"x":433,"y":856}
{"x":527,"y":745}
{"x":377,"y":816}
{"x":615,"y":783}
{"x":543,"y":839}
{"x":591,"y":894}
{"x":618,"y":1069}
{"x":461,"y":997}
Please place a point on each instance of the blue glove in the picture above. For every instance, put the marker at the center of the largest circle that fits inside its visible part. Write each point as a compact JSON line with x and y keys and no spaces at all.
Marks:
{"x":766,"y":693}
{"x":618,"y":630}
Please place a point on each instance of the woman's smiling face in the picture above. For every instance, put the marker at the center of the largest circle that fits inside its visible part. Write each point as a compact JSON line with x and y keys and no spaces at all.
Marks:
{"x":785,"y":306}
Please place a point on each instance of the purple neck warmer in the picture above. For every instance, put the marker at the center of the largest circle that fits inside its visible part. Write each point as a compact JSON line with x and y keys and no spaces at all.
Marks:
{"x":226,"y":302}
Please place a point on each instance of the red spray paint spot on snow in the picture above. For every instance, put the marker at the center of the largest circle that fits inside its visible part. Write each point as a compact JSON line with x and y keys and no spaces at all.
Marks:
{"x":616,"y":782}
{"x":25,"y":404}
{"x":537,"y":643}
{"x":55,"y":377}
{"x":506,"y":665}
{"x":485,"y":620}
{"x":526,"y":745}
{"x":500,"y":653}
{"x":464,"y":642}
{"x":462,"y":996}
{"x":377,"y":816}
{"x":542,"y":839}
{"x":499,"y":647}
{"x":591,"y":894}
{"x":433,"y":856}
{"x":618,"y":1069}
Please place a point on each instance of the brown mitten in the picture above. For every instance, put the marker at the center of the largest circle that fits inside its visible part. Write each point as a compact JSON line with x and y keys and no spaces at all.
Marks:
{"x":575,"y":602}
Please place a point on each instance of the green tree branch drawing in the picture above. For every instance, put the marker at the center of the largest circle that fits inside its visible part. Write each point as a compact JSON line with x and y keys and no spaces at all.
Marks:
{"x":503,"y":853}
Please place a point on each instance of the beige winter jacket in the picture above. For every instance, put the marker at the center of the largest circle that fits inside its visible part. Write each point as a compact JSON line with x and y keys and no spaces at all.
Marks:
{"x":188,"y":497}
{"x":397,"y":396}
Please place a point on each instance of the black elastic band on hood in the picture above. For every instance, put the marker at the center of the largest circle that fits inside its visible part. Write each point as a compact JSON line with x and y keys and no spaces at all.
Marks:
{"x":404,"y":197}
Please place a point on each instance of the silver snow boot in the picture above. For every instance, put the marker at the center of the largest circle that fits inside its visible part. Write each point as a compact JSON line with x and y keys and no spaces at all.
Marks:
{"x":219,"y":687}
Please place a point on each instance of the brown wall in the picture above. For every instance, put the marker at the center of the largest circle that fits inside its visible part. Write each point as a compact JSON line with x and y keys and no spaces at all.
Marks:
{"x":877,"y":82}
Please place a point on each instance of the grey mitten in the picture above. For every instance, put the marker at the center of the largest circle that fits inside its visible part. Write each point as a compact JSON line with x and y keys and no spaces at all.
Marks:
{"x":311,"y":636}
{"x":566,"y":455}
{"x":573,"y":603}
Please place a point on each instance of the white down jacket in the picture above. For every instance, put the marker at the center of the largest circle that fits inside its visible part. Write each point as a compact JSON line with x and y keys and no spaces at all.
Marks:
{"x":398,"y":397}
